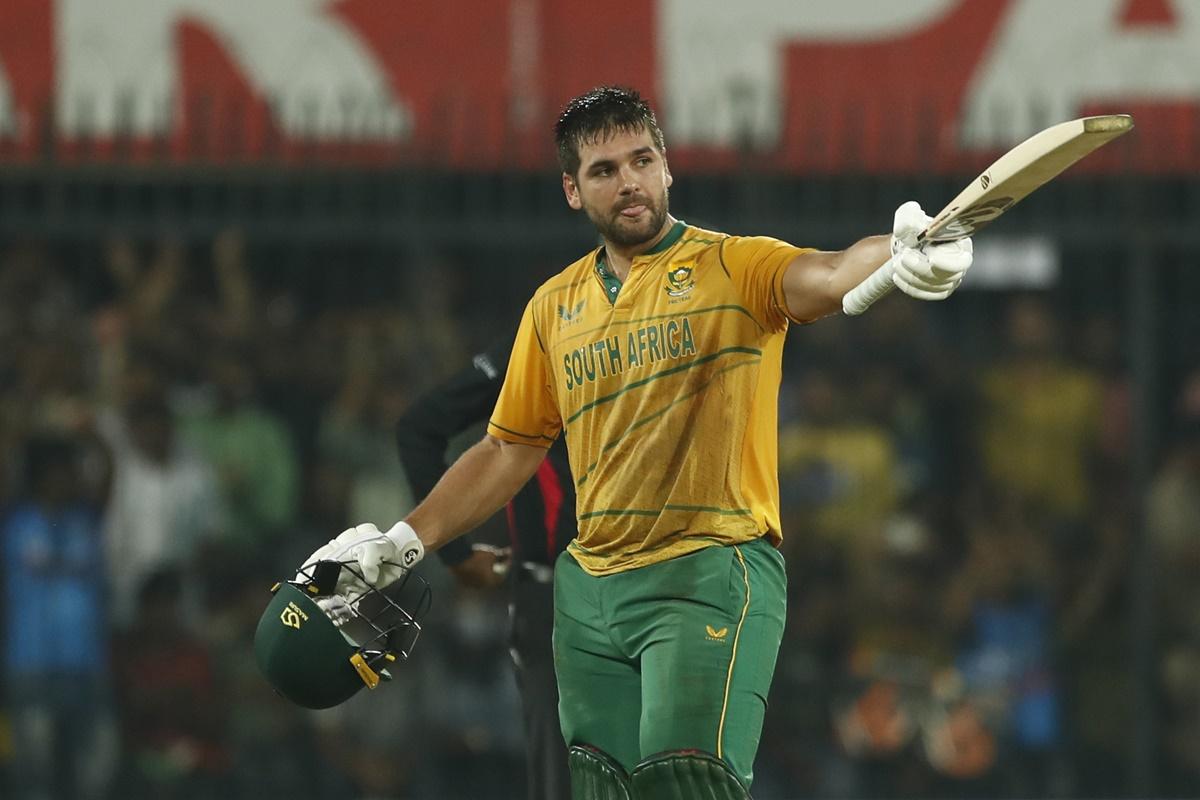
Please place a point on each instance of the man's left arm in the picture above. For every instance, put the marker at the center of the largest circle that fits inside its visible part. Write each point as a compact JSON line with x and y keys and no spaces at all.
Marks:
{"x":423,"y":436}
{"x":815,"y":282}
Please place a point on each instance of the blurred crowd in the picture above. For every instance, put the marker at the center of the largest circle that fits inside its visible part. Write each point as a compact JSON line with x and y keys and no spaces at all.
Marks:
{"x":181,"y":424}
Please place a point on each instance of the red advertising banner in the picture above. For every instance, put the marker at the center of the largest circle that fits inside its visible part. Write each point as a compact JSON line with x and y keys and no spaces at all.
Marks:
{"x":814,"y":86}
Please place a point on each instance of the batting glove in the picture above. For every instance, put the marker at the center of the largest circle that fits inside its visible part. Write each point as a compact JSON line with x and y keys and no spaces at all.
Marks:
{"x":926,"y":270}
{"x":337,"y":608}
{"x":380,"y":558}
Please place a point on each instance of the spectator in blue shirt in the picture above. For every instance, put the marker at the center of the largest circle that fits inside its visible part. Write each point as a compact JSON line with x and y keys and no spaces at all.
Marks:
{"x":55,"y":649}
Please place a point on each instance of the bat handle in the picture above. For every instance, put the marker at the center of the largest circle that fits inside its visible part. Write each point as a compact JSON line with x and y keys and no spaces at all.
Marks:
{"x":877,"y":284}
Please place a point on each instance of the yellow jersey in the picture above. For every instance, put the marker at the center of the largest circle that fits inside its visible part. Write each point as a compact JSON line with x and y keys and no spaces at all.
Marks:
{"x":666,"y":389}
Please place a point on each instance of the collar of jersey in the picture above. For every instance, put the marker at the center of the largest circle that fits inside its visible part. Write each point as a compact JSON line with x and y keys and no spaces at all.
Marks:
{"x":609,"y":280}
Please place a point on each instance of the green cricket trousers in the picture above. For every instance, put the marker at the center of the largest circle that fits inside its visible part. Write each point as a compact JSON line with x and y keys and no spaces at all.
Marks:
{"x":675,"y":655}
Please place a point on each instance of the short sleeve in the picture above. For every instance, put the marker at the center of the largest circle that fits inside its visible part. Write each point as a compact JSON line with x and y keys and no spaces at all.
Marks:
{"x":526,"y":412}
{"x":756,"y":265}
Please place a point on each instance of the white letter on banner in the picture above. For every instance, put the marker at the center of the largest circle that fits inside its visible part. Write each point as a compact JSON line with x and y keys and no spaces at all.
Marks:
{"x":1051,"y":57}
{"x":118,"y":69}
{"x":723,"y":61}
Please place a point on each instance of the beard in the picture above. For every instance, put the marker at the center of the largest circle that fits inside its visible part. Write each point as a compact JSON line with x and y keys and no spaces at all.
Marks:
{"x":626,"y":233}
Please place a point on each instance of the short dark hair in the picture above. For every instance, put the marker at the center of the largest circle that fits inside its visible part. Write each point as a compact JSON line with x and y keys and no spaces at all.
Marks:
{"x":598,"y":114}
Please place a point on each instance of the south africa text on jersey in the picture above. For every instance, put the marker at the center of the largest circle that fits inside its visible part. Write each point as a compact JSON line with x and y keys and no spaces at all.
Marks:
{"x":670,"y":339}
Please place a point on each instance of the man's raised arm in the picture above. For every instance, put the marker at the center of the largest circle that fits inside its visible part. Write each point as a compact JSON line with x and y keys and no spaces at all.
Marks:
{"x":816,"y":281}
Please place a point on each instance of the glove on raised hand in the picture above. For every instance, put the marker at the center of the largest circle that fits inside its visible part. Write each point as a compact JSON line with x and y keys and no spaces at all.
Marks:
{"x":926,"y":270}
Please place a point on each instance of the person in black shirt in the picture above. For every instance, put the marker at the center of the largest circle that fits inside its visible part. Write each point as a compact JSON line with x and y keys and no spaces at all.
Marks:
{"x":541,"y":521}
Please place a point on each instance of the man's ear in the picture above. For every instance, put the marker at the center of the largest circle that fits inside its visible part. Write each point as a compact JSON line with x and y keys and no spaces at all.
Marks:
{"x":667,"y":169}
{"x":571,"y":190}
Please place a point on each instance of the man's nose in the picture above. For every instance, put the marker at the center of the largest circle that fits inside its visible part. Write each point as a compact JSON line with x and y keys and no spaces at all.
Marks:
{"x":629,"y":181}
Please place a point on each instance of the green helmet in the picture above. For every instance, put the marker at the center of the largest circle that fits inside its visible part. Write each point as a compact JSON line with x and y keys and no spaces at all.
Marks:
{"x":315,"y":663}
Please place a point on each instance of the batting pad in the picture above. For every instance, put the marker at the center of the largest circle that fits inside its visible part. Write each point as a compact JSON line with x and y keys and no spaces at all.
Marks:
{"x":595,"y":775}
{"x":685,"y":775}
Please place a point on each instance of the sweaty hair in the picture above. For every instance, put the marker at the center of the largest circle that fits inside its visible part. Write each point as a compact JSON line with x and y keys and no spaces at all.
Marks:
{"x":597,"y":115}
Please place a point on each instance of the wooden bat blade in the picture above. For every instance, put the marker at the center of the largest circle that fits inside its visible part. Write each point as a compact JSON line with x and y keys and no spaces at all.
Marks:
{"x":1013,"y":176}
{"x":1022,"y":170}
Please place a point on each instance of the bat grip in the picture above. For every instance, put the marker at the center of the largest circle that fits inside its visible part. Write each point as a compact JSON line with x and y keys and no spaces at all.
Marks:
{"x":877,"y":285}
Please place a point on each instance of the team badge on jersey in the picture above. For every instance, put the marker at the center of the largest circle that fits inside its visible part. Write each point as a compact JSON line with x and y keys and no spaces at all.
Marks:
{"x":679,"y":282}
{"x":572,"y":316}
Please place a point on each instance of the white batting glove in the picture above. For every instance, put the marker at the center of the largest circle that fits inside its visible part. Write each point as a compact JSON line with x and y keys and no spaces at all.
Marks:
{"x":382,"y":558}
{"x":907,"y":225}
{"x":926,"y":271}
{"x":337,"y":608}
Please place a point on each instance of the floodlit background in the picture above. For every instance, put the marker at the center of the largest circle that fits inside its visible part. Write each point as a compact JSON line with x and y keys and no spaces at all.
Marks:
{"x":236,"y":239}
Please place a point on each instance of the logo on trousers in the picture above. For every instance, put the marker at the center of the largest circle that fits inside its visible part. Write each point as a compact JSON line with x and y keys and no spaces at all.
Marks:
{"x":715,"y":634}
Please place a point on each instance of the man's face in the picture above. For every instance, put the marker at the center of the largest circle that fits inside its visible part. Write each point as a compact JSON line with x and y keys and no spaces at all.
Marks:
{"x":622,"y":185}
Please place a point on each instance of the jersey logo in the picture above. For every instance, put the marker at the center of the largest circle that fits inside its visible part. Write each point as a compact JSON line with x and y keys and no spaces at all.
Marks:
{"x":572,"y":316}
{"x":716,"y":634}
{"x":679,"y":282}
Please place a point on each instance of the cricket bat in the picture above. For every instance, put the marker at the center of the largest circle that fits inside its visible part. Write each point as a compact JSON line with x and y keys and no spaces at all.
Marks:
{"x":1015,"y":174}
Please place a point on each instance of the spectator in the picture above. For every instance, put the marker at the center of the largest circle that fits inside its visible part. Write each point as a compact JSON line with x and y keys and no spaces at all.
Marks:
{"x":271,"y":743}
{"x":165,"y":501}
{"x":1039,"y":419}
{"x":372,"y":739}
{"x":1173,"y":526}
{"x":355,"y":438}
{"x":251,"y":450}
{"x":156,"y":302}
{"x":837,"y":468}
{"x":896,"y":648}
{"x":1001,"y":604}
{"x":43,"y":353}
{"x":56,"y":649}
{"x":473,"y":705}
{"x":172,"y":711}
{"x":798,"y":754}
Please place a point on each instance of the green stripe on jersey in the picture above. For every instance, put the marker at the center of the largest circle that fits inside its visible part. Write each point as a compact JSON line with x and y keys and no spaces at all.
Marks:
{"x":654,"y":512}
{"x":691,"y":313}
{"x":669,"y":541}
{"x":651,"y":417}
{"x":665,"y":373}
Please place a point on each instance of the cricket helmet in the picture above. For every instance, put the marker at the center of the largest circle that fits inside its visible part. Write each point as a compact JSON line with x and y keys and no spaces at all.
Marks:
{"x":317,"y":663}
